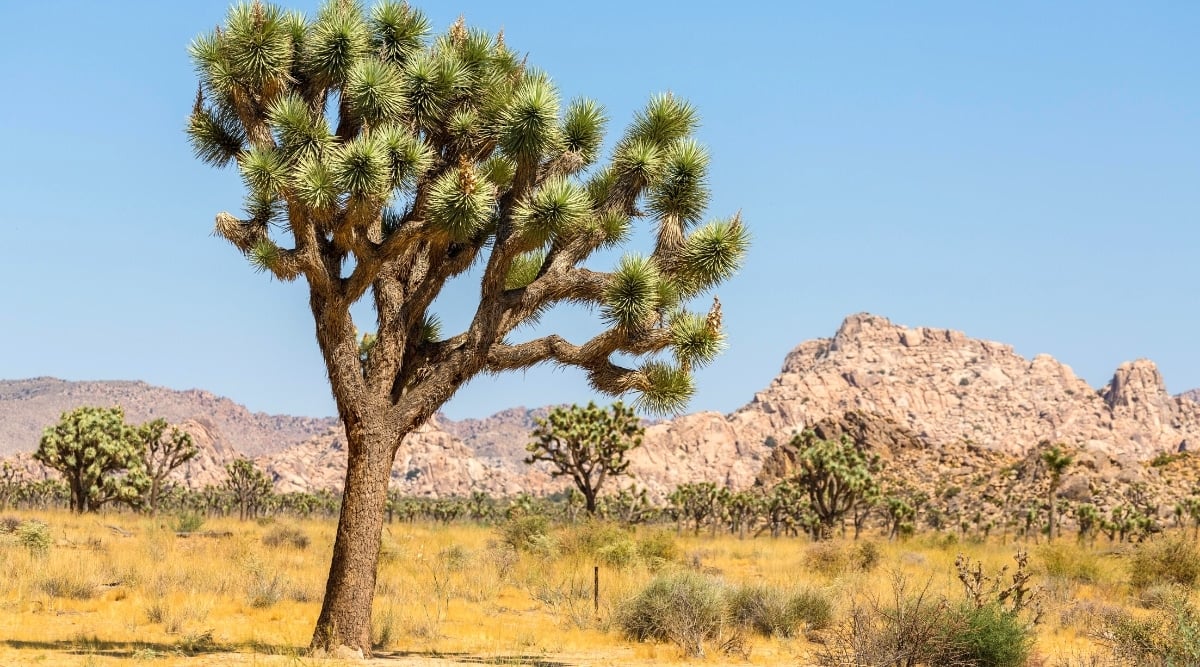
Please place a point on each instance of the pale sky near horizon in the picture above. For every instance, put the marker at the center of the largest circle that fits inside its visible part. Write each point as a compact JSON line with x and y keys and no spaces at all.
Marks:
{"x":1026,"y":172}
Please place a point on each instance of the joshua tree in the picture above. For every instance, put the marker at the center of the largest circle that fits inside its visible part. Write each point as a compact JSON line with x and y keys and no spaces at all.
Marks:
{"x":10,"y":484}
{"x":162,"y":452}
{"x":1057,"y":461}
{"x":248,"y":485}
{"x":380,"y":164}
{"x":836,"y":475}
{"x":99,"y":456}
{"x":694,"y":501}
{"x":588,"y":444}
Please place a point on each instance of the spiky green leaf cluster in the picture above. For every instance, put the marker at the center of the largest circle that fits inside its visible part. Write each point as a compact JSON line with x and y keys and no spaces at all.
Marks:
{"x":694,"y":341}
{"x":557,"y":208}
{"x":633,"y":294}
{"x":369,"y":147}
{"x":460,"y":205}
{"x":669,"y":389}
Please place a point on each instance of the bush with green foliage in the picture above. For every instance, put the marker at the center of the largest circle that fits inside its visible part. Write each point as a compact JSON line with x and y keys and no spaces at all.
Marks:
{"x":685,"y":608}
{"x":34,"y":536}
{"x":772,"y":612}
{"x":1169,"y":636}
{"x":526,"y":532}
{"x":1171,"y":560}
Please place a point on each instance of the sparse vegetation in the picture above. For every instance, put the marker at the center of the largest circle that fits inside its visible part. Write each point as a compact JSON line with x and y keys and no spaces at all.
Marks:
{"x":662,"y":596}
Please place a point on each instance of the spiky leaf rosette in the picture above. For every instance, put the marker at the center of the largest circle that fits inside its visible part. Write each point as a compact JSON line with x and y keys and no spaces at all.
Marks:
{"x":381,"y":162}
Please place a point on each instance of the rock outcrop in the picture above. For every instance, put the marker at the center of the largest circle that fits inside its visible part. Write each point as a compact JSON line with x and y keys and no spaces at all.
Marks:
{"x":944,"y":387}
{"x":953,"y":409}
{"x":27,"y":407}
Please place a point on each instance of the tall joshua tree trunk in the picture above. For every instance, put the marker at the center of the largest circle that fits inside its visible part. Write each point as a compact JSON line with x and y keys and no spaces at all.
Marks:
{"x":345,"y":618}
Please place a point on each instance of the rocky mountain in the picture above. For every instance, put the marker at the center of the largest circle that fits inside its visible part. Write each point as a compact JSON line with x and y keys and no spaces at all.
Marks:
{"x":946,"y":388}
{"x":431,"y":463}
{"x":499,"y":439}
{"x":27,"y":407}
{"x":1191,"y":395}
{"x":939,"y":403}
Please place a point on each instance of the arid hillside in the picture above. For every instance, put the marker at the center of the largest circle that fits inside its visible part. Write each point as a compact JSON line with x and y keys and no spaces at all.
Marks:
{"x":961,"y":399}
{"x":27,"y":407}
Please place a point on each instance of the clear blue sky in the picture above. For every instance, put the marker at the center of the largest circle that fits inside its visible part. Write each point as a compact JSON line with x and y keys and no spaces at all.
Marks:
{"x":1027,"y":172}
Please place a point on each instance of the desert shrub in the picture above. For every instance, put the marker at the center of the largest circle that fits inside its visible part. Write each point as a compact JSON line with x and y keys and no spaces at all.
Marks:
{"x":1172,"y":560}
{"x":864,"y":556}
{"x":455,"y":557}
{"x":282,"y":535}
{"x":1170,"y":636}
{"x":502,"y":557}
{"x":590,"y":536}
{"x":769,"y":611}
{"x":383,"y":628}
{"x":618,"y":554}
{"x":990,"y":636}
{"x":684,"y":608}
{"x":34,"y":536}
{"x":657,"y":549}
{"x":810,"y":607}
{"x":911,"y":627}
{"x":189,"y":522}
{"x":827,"y":558}
{"x":527,"y":532}
{"x":9,"y":524}
{"x":759,"y":608}
{"x":69,"y":584}
{"x":1068,"y":561}
{"x":264,"y":589}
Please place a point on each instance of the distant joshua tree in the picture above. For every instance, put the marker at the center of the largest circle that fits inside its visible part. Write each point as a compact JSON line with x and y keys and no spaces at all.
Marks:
{"x":1057,"y":461}
{"x":586,"y":444}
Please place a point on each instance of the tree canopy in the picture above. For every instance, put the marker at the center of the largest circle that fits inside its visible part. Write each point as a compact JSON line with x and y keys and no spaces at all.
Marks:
{"x":587,"y":444}
{"x":380,"y":163}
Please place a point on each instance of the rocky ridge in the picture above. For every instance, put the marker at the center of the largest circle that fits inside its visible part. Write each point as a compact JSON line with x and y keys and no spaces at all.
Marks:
{"x":970,"y":404}
{"x":27,"y":407}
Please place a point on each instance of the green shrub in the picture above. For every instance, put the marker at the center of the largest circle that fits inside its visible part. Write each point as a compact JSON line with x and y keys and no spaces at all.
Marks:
{"x":189,"y":522}
{"x":282,"y":535}
{"x":619,"y":554}
{"x":1172,"y":560}
{"x":1064,"y":560}
{"x":34,"y":536}
{"x":990,"y":636}
{"x":528,"y":532}
{"x":809,"y":607}
{"x":1170,"y":636}
{"x":759,"y":608}
{"x":658,"y":548}
{"x":684,"y":608}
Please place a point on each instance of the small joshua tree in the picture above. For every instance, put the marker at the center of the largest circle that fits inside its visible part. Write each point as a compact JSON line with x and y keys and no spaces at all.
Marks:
{"x":587,"y":444}
{"x":248,"y":485}
{"x":163,"y":450}
{"x":836,"y":475}
{"x":99,"y":456}
{"x":1057,"y":461}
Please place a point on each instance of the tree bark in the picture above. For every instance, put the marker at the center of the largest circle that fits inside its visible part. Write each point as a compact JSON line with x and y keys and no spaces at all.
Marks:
{"x":345,"y":618}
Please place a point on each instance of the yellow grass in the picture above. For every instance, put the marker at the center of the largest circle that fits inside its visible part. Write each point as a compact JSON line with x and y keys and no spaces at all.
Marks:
{"x":446,"y":595}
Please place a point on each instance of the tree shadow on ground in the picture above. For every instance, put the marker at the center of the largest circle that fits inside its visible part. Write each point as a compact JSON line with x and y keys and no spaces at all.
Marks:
{"x":139,"y":649}
{"x":473,"y":659}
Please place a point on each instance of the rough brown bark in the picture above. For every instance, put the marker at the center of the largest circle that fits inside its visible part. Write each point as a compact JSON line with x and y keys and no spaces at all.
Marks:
{"x":345,"y":618}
